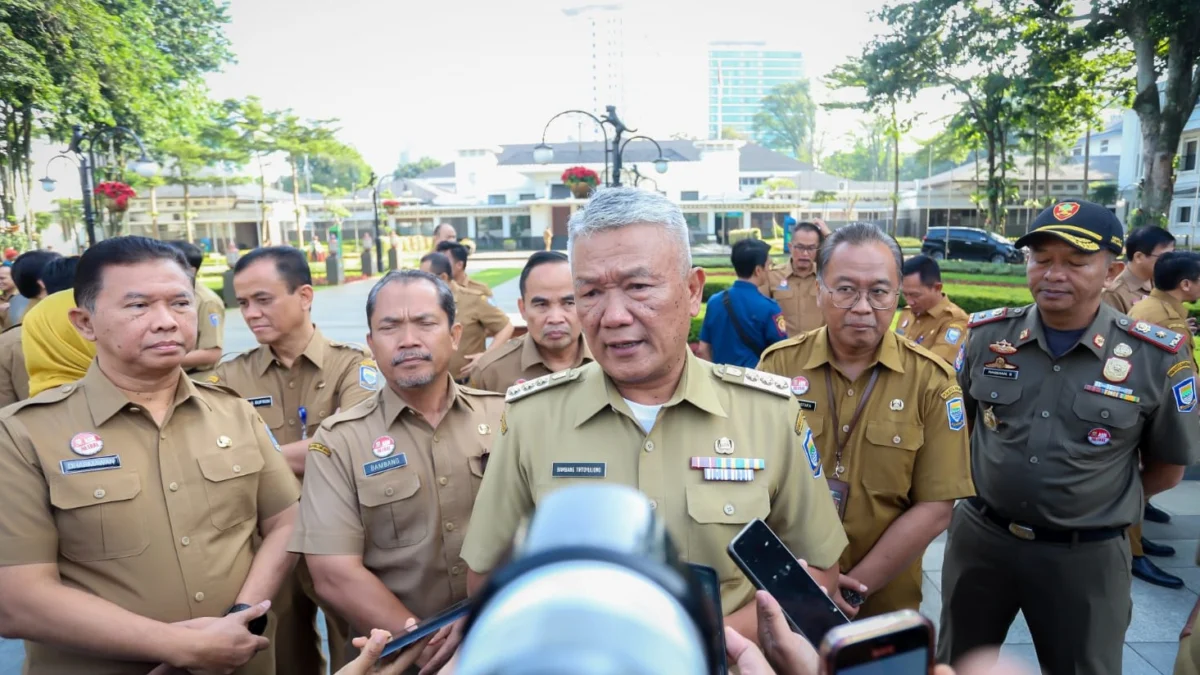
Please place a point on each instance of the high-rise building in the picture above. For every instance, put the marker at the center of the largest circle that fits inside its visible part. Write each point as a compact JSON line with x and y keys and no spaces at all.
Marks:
{"x":600,"y":29}
{"x":740,"y":74}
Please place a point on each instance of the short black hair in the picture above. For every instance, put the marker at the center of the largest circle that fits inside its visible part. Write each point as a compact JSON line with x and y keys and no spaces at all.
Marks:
{"x":538,"y":259}
{"x":925,"y":266}
{"x":1172,"y":268}
{"x":129,"y":250}
{"x":27,"y":271}
{"x":192,"y":252}
{"x":1145,"y":239}
{"x":748,"y":255}
{"x":445,"y":224}
{"x":809,"y":227}
{"x":454,"y":250}
{"x":59,"y":274}
{"x":445,"y":295}
{"x":439,"y":263}
{"x":290,"y":263}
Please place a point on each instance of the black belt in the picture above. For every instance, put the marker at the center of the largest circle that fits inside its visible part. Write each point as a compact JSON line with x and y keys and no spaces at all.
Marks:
{"x":1032,"y":533}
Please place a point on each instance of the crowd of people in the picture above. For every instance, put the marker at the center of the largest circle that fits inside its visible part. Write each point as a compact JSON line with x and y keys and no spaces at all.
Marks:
{"x":161,"y":500}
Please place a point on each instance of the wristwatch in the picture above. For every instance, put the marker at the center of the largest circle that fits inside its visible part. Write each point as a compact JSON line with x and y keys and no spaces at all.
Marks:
{"x":256,"y":626}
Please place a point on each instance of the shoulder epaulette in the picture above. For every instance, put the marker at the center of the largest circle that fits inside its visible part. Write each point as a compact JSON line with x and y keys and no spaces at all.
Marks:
{"x":214,"y":386}
{"x":349,"y":345}
{"x":924,"y":353}
{"x":987,"y":316}
{"x":53,"y":395}
{"x":477,"y":392}
{"x":1166,"y":340}
{"x":755,"y":379}
{"x":520,"y":391}
{"x":15,"y":325}
{"x":784,"y":344}
{"x":354,"y":412}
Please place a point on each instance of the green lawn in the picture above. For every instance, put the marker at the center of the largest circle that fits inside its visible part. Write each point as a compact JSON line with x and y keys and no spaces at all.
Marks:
{"x":964,"y":278}
{"x":496,"y":276}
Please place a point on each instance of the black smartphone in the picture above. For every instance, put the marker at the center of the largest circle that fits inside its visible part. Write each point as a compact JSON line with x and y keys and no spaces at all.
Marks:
{"x":899,"y":643}
{"x":711,"y":584}
{"x":853,"y":598}
{"x":426,"y":628}
{"x":771,"y":567}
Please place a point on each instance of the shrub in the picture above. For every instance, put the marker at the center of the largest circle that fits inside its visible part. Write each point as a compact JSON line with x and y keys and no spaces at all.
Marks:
{"x":737,"y":235}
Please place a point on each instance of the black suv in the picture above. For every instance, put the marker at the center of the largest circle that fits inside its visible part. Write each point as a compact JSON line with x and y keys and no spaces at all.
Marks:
{"x":970,"y":243}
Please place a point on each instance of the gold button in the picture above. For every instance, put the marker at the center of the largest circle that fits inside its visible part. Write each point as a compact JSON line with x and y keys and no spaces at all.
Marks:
{"x":237,"y":468}
{"x":443,"y":480}
{"x":185,"y":541}
{"x":324,"y":413}
{"x":200,"y":596}
{"x":291,"y":423}
{"x":99,"y":493}
{"x":162,"y":437}
{"x":389,"y":492}
{"x":449,"y":527}
{"x":291,"y":385}
{"x":896,"y":439}
{"x":174,"y":487}
{"x":455,"y":570}
{"x":729,"y":509}
{"x":649,"y":446}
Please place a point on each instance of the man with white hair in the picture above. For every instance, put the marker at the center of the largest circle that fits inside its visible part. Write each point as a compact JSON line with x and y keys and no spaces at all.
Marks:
{"x":713,"y":447}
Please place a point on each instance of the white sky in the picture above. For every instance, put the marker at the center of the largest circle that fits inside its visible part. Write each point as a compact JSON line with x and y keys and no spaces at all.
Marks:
{"x":433,"y":77}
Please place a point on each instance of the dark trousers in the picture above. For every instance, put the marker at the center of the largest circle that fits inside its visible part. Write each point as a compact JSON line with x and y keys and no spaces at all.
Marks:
{"x":1075,"y":597}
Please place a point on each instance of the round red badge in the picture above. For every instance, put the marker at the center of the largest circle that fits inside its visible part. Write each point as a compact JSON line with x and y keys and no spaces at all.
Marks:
{"x":86,"y":444}
{"x":383,"y":446}
{"x":799,"y":385}
{"x":520,"y":381}
{"x":1099,"y":436}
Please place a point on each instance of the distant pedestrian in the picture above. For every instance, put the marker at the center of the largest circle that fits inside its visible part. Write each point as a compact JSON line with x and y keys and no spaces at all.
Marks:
{"x":740,"y":322}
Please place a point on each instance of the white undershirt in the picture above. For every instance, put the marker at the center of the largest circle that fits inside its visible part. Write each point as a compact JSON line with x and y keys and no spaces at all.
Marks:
{"x":645,"y":414}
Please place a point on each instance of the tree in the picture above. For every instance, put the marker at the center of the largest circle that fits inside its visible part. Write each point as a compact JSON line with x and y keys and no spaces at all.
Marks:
{"x":867,"y":159}
{"x":732,"y":134}
{"x":342,"y":167}
{"x":1105,"y":193}
{"x":788,"y":119}
{"x":250,"y":130}
{"x":299,"y":140}
{"x":414,"y":169}
{"x":69,"y":215}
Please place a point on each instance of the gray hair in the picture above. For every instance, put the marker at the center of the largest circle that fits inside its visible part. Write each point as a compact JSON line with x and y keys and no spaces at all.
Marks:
{"x":858,"y":234}
{"x":445,"y":295}
{"x":616,"y":207}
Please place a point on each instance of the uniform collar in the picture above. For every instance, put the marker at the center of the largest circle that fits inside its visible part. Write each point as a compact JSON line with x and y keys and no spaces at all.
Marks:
{"x":1131,"y":282}
{"x":793,"y":273}
{"x":104,"y":399}
{"x":314,"y":351}
{"x":941,"y":307}
{"x":1170,"y":301}
{"x":33,"y":302}
{"x":393,"y":406}
{"x":530,"y":356}
{"x":887,"y":355}
{"x":1032,"y":329}
{"x":697,"y":386}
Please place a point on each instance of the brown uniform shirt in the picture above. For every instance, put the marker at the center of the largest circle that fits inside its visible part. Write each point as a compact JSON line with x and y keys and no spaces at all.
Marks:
{"x":1047,"y":448}
{"x":797,"y":297}
{"x":158,"y":521}
{"x":1161,"y":309}
{"x":479,"y":287}
{"x":210,"y":322}
{"x":1124,"y":291}
{"x":942,"y":330}
{"x":514,"y":363}
{"x":910,"y":444}
{"x":328,"y":375}
{"x":14,"y":377}
{"x":717,"y":412}
{"x":381,"y":483}
{"x":480,"y":320}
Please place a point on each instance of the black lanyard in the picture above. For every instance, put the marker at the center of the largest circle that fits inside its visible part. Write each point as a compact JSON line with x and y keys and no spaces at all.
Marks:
{"x":849,"y":430}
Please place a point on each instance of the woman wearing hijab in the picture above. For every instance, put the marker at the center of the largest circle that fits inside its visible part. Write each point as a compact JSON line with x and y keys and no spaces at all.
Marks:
{"x":55,"y":353}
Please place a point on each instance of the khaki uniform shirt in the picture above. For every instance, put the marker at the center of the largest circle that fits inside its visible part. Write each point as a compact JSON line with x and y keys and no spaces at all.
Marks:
{"x":514,"y":363}
{"x":328,"y":375}
{"x":1125,"y":290}
{"x":1161,"y":309}
{"x":14,"y":378}
{"x":478,"y":286}
{"x":480,"y":320}
{"x":158,"y":521}
{"x":910,"y":444}
{"x":381,"y":483}
{"x":1049,"y":447}
{"x":210,"y":322}
{"x":576,"y":419}
{"x":5,"y":323}
{"x":941,"y":330}
{"x":797,"y":297}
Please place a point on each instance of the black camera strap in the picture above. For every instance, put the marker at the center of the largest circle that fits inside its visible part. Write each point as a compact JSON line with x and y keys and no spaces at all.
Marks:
{"x":737,"y":325}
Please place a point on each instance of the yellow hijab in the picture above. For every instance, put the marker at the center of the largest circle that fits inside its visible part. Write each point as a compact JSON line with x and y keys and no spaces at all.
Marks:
{"x":55,"y":353}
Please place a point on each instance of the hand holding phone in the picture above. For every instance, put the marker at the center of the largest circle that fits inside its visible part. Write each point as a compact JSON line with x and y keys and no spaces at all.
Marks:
{"x":426,"y":628}
{"x":899,"y":643}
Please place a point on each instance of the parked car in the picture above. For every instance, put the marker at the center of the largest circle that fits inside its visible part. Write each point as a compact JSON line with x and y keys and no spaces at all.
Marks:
{"x":970,"y":243}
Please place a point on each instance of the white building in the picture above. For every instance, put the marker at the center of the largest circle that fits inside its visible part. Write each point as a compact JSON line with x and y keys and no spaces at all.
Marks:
{"x":1184,"y":215}
{"x":1105,"y":142}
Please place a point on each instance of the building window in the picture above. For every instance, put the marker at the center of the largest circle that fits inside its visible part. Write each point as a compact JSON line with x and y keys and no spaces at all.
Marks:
{"x":1057,"y":187}
{"x":689,"y":196}
{"x":497,"y":200}
{"x":527,"y":197}
{"x":1185,"y":214}
{"x":1072,"y":188}
{"x":1078,"y":152}
{"x":1189,"y":155}
{"x":1103,"y":147}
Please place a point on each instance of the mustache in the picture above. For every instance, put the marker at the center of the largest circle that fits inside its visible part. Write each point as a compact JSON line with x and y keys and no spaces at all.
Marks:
{"x":411,"y":354}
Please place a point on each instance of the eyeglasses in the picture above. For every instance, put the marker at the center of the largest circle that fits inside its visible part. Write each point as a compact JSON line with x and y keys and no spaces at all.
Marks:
{"x":846,"y":297}
{"x":806,"y":249}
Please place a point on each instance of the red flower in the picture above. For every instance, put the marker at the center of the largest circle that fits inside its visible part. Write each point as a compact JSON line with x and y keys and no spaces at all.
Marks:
{"x":580,"y":174}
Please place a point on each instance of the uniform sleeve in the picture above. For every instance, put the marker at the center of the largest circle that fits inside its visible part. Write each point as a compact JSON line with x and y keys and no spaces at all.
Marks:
{"x":802,"y":509}
{"x":357,"y":384}
{"x":775,"y":326}
{"x":961,"y":365}
{"x":8,"y":385}
{"x":709,"y":315}
{"x":504,"y":500}
{"x":1115,"y":300}
{"x":329,"y":522}
{"x":28,"y":533}
{"x":277,"y":485}
{"x":212,"y":326}
{"x":1172,"y":433}
{"x":942,"y":470}
{"x":772,"y":362}
{"x":492,"y":317}
{"x":948,"y":340}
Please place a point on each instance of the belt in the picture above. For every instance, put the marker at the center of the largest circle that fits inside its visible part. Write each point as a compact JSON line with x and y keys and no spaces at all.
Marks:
{"x":1032,"y":533}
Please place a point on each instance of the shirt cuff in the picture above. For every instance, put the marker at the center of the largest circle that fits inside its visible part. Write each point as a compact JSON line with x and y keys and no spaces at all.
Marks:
{"x":28,"y":551}
{"x":326,"y":543}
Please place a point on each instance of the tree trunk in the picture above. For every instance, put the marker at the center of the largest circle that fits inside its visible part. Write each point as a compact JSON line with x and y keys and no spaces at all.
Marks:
{"x":264,"y":233}
{"x":999,"y":225}
{"x":154,"y":212}
{"x":1033,"y":207}
{"x":296,"y":200}
{"x":1087,"y":158}
{"x":993,"y":194}
{"x":895,"y":170}
{"x":187,"y":209}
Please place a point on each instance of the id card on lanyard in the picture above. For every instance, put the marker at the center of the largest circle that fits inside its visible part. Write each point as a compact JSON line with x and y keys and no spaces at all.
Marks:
{"x":840,"y":489}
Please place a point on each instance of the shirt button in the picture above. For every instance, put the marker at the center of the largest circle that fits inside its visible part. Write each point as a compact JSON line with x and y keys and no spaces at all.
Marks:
{"x":1045,"y":413}
{"x":174,"y":487}
{"x":729,"y":509}
{"x":436,"y":438}
{"x":185,"y":541}
{"x":653,"y":505}
{"x":995,"y":395}
{"x":849,"y":392}
{"x":455,"y":570}
{"x":389,"y":492}
{"x":291,"y":423}
{"x":1033,"y":460}
{"x":99,"y":493}
{"x":649,"y":446}
{"x":200,"y":596}
{"x":845,"y":428}
{"x":1104,"y":414}
{"x":135,"y":410}
{"x":896,"y":439}
{"x":1057,"y":368}
{"x":162,"y":437}
{"x":291,"y":385}
{"x":449,"y":527}
{"x":237,"y":468}
{"x":443,"y":480}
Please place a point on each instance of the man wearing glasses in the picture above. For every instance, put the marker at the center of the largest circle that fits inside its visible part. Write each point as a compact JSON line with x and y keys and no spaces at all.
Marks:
{"x":888,"y":419}
{"x":795,"y":286}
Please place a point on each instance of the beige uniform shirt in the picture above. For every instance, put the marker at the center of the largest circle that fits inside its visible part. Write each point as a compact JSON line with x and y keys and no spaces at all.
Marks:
{"x":1054,"y":441}
{"x":514,"y":363}
{"x":560,"y":425}
{"x":479,"y":287}
{"x":942,"y":330}
{"x":381,"y":483}
{"x":210,"y":322}
{"x":14,"y":378}
{"x":480,"y":320}
{"x":1125,"y":290}
{"x":1161,"y":309}
{"x":328,"y":375}
{"x":158,"y":521}
{"x":797,"y":297}
{"x":909,"y":445}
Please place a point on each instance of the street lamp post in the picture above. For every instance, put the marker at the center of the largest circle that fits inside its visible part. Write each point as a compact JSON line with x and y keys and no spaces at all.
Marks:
{"x":375,"y":183}
{"x":544,"y":154}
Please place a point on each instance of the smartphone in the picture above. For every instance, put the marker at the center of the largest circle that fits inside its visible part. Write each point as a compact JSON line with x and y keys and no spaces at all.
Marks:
{"x":426,"y":628}
{"x":899,"y":643}
{"x":711,"y":584}
{"x":771,"y":567}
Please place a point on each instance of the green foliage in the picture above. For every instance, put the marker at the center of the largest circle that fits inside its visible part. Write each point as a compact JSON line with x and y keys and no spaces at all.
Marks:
{"x":869,"y":157}
{"x":788,"y":119}
{"x":414,"y":169}
{"x":1105,"y":193}
{"x":729,"y":133}
{"x":737,"y":235}
{"x":970,"y":298}
{"x":342,"y":167}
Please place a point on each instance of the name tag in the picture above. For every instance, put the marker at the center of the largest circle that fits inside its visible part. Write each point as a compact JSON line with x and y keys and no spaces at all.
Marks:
{"x":807,"y":405}
{"x":1002,"y":374}
{"x":387,"y":464}
{"x":262,"y":401}
{"x":70,"y":466}
{"x":578,"y":469}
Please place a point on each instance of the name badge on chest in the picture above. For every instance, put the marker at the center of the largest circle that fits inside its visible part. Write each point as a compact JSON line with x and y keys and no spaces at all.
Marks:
{"x":578,"y":469}
{"x":381,"y":465}
{"x":262,"y":401}
{"x":104,"y":463}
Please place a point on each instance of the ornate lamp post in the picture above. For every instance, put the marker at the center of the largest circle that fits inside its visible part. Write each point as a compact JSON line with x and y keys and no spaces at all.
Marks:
{"x":544,"y":154}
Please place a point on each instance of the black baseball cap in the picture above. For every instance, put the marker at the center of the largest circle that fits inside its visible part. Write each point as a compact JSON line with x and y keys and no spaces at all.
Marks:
{"x":1087,"y":226}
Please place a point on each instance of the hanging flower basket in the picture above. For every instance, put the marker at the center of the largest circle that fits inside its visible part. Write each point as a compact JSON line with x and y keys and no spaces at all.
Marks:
{"x":390,"y":205}
{"x":581,"y":181}
{"x":115,"y":196}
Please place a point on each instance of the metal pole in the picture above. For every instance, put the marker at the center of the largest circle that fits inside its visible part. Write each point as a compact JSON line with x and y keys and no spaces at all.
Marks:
{"x":378,"y":239}
{"x":89,"y":210}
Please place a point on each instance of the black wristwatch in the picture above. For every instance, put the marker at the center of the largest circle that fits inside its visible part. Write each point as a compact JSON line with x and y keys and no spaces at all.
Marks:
{"x":256,"y":626}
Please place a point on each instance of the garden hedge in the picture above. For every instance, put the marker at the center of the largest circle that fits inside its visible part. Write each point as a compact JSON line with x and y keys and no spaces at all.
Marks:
{"x":970,"y":298}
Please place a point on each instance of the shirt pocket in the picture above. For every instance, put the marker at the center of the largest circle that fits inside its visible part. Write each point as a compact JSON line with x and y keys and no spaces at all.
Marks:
{"x":717,"y":513}
{"x":231,"y":484}
{"x":991,"y":391}
{"x":393,"y":517}
{"x":273,"y":416}
{"x":788,"y":295}
{"x":893,"y":454}
{"x":1097,"y":415}
{"x":98,"y":517}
